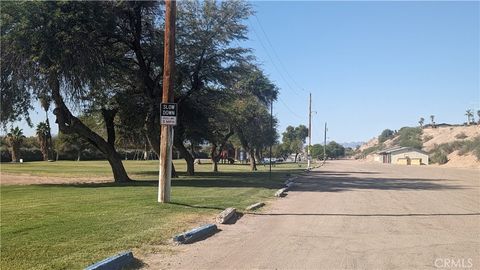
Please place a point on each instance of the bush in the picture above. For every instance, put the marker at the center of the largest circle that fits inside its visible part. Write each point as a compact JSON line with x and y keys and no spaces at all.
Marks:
{"x":410,"y":137}
{"x":27,"y":154}
{"x":463,"y":147}
{"x":370,"y":150}
{"x":461,"y":136}
{"x":385,"y":135}
{"x":427,"y":138}
{"x":439,"y":158}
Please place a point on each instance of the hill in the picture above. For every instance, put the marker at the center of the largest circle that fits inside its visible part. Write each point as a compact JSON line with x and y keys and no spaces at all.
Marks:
{"x":452,"y":146}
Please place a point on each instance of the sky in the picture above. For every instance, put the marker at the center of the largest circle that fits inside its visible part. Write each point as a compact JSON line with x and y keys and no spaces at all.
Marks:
{"x":369,"y":65}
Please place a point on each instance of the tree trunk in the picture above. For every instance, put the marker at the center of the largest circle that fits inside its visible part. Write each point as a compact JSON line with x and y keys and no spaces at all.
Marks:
{"x":215,"y":165}
{"x":50,"y":150}
{"x":253,"y":164}
{"x":15,"y":153}
{"x":186,"y":155}
{"x":296,"y":155}
{"x":67,"y":123}
{"x":152,"y":130}
{"x":257,"y":155}
{"x":214,"y":158}
{"x":108,"y":118}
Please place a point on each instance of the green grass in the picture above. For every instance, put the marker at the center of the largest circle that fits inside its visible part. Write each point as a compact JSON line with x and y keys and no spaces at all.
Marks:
{"x":70,"y":226}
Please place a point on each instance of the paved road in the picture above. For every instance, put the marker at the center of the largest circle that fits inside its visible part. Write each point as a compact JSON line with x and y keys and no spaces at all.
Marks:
{"x":353,"y":215}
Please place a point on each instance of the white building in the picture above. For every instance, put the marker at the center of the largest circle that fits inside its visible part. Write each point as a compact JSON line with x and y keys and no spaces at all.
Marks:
{"x":402,"y":155}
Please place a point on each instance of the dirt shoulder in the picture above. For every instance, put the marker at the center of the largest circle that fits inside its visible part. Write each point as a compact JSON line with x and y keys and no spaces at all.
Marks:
{"x":25,"y":179}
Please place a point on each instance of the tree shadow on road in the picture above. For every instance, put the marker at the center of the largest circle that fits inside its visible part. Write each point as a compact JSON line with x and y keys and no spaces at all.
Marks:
{"x":330,"y":182}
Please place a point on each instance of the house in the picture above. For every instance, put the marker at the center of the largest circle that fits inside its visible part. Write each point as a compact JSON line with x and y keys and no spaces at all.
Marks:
{"x":402,"y":155}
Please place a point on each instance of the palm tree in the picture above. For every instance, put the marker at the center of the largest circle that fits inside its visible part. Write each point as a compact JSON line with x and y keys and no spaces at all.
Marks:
{"x":422,"y":120}
{"x":45,"y":103}
{"x":469,"y":115}
{"x":42,"y":136}
{"x":14,"y":140}
{"x":432,"y":117}
{"x":478,"y":113}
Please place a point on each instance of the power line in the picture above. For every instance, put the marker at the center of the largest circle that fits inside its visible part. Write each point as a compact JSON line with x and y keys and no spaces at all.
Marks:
{"x":290,"y":110}
{"x":276,"y":55}
{"x":273,"y":62}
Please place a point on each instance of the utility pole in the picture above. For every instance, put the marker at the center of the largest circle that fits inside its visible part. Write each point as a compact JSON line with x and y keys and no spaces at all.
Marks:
{"x":309,"y":131}
{"x":271,"y":130}
{"x":166,"y":137}
{"x":325,"y":144}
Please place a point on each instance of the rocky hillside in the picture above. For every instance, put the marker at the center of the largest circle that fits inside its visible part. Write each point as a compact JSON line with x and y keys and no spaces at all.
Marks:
{"x":453,"y":146}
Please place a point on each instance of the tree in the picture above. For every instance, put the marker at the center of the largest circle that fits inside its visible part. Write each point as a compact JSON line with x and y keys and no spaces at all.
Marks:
{"x":71,"y":144}
{"x":45,"y":104}
{"x":335,"y":150}
{"x":252,"y":127}
{"x":421,"y":121}
{"x":385,"y":135}
{"x":469,"y":114}
{"x":207,"y":62}
{"x":42,"y":136}
{"x":14,"y":140}
{"x":478,"y":113}
{"x":432,"y":118}
{"x":294,"y":138}
{"x":50,"y":48}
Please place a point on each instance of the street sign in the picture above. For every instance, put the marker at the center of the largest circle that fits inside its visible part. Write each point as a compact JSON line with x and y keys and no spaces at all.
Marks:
{"x":168,"y":114}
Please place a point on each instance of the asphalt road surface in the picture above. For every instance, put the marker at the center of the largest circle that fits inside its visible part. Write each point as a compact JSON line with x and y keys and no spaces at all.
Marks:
{"x":352,"y":215}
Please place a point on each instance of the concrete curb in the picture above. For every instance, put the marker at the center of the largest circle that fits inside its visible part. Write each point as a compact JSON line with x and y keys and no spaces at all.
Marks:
{"x":195,"y":234}
{"x":116,"y":262}
{"x":289,"y":185}
{"x":227,"y":214}
{"x":281,"y":192}
{"x":255,"y":206}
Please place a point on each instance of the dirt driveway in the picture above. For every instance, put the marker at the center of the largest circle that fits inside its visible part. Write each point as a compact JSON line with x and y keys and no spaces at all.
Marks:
{"x":352,"y":215}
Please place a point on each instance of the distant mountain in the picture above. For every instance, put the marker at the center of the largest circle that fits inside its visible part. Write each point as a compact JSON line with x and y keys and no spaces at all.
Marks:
{"x":352,"y":144}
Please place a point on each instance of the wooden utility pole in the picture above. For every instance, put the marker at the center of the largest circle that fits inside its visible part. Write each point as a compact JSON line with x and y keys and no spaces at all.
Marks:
{"x":271,"y":143}
{"x":309,"y":131}
{"x":325,"y":143}
{"x":166,"y":137}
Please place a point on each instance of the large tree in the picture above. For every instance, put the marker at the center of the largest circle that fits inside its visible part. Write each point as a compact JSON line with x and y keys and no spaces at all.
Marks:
{"x":59,"y":50}
{"x":294,"y":139}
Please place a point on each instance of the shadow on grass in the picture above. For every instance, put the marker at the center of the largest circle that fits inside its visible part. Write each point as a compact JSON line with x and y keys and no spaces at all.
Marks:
{"x":197,"y":206}
{"x":201,"y":179}
{"x":317,"y":181}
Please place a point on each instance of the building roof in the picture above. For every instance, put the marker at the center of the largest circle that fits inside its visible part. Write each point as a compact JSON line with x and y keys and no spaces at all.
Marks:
{"x":398,"y":149}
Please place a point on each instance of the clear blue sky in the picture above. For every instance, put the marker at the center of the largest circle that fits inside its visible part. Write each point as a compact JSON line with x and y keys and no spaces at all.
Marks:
{"x":369,"y":65}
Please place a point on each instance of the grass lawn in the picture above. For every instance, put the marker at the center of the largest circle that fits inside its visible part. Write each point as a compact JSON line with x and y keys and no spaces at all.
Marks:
{"x":70,"y":226}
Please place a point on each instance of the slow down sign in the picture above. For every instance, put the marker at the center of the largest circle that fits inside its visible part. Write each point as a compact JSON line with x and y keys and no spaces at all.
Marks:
{"x":168,"y":114}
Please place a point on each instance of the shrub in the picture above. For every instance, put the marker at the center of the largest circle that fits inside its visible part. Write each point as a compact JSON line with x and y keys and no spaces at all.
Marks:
{"x":410,"y":137}
{"x":461,"y":136}
{"x":385,"y":135}
{"x":439,"y":157}
{"x":463,"y":147}
{"x":427,"y":138}
{"x":372,"y":149}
